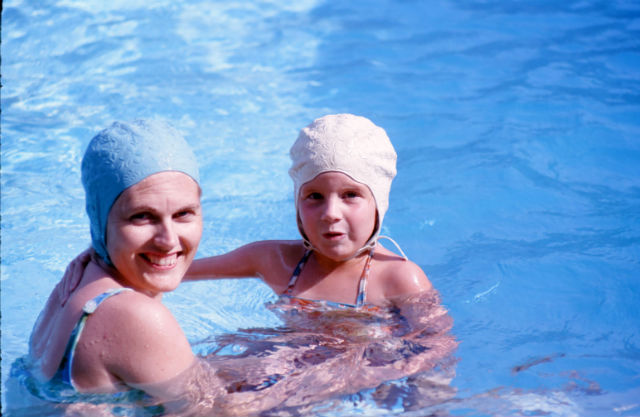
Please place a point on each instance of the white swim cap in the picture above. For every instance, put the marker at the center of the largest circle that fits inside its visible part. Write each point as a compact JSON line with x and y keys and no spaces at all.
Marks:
{"x":349,"y":144}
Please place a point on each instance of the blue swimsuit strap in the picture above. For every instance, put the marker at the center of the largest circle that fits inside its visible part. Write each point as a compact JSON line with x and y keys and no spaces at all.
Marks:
{"x":296,"y":272}
{"x":88,"y":309}
{"x":362,"y":286}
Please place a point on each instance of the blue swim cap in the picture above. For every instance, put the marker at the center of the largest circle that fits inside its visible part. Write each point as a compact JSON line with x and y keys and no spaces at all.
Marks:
{"x":123,"y":155}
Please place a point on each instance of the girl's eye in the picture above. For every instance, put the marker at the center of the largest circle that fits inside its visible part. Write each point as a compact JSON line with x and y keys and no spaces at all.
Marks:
{"x":351,"y":194}
{"x":314,"y":196}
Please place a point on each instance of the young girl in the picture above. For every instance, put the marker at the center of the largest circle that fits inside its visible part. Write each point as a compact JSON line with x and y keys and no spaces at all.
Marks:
{"x":342,"y":170}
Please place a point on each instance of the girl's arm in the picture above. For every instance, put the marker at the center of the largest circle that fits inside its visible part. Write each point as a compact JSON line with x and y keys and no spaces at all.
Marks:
{"x":404,"y":282}
{"x":273,"y":261}
{"x":248,"y":261}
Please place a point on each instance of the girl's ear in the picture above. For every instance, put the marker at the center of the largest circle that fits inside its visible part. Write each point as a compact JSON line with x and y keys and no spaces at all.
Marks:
{"x":376,"y":226}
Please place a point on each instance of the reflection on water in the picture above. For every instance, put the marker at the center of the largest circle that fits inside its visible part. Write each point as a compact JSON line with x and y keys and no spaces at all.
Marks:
{"x":516,"y":126}
{"x":403,"y":355}
{"x":322,"y":354}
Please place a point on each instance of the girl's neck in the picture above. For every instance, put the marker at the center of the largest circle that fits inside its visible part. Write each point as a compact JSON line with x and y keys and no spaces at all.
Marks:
{"x":327,"y":265}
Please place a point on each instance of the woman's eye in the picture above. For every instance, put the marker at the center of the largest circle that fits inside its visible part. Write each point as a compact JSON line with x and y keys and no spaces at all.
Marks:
{"x":138,"y":217}
{"x":314,"y":196}
{"x":351,"y":194}
{"x":183,"y":214}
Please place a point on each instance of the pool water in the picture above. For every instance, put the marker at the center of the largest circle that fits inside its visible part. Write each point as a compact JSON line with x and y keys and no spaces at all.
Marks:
{"x":517,"y":127}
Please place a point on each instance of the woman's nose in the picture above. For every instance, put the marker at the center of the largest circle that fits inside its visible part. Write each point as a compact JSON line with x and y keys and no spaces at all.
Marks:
{"x":166,"y":236}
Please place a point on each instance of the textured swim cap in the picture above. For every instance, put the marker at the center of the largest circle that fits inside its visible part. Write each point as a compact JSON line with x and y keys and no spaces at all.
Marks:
{"x":121,"y":156}
{"x":349,"y":144}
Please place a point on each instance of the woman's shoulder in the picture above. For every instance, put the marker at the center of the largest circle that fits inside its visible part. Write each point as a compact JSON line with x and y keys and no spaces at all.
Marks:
{"x":132,"y":318}
{"x":140,"y":340}
{"x":292,"y":249}
{"x":128,"y":308}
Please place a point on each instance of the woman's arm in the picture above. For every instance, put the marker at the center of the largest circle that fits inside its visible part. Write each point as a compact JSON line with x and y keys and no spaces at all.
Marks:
{"x":49,"y":335}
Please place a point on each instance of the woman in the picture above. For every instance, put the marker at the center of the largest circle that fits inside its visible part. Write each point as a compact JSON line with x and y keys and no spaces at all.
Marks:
{"x":113,"y":332}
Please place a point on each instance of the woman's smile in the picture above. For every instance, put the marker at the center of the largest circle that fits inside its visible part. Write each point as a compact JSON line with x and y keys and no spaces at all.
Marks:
{"x":161,"y":261}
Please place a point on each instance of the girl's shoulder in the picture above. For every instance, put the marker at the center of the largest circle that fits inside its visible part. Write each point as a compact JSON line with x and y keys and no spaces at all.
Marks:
{"x":285,"y":250}
{"x":277,"y":261}
{"x":279,"y":246}
{"x":398,"y":276}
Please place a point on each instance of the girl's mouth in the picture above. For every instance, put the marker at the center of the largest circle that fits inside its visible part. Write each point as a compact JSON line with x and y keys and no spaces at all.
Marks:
{"x":332,"y":235}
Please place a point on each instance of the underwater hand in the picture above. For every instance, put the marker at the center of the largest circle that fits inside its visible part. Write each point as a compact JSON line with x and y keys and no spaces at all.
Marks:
{"x":72,"y":276}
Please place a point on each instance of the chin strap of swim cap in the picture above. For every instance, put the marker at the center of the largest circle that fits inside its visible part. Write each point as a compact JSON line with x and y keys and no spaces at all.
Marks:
{"x":371,"y":245}
{"x":395,"y":244}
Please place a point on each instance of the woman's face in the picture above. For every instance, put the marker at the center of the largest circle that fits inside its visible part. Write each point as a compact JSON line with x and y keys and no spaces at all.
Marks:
{"x":153,"y":232}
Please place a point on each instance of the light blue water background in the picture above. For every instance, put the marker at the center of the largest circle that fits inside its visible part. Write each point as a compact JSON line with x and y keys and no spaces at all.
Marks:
{"x":517,"y":126}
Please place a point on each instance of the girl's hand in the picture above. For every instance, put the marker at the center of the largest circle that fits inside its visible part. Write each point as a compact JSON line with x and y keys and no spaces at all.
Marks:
{"x":72,"y":276}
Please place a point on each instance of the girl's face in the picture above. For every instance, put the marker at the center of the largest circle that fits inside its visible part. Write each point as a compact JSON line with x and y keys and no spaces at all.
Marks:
{"x":338,"y":214}
{"x":153,"y":232}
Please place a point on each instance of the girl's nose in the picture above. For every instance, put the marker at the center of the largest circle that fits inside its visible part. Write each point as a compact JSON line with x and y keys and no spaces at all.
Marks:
{"x":166,"y":236}
{"x":331,"y":210}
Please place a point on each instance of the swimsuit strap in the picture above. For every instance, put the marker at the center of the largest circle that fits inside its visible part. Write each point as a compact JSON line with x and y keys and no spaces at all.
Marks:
{"x":88,"y":309}
{"x":362,"y":285}
{"x":296,"y":272}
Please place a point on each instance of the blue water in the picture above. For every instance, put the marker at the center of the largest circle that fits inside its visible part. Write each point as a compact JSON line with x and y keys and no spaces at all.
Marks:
{"x":517,"y":126}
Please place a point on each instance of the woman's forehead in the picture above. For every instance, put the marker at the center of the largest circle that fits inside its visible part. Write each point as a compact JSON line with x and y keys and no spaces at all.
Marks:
{"x":161,"y":187}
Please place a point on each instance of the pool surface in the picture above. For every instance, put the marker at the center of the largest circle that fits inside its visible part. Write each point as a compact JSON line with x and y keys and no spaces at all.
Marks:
{"x":517,"y":127}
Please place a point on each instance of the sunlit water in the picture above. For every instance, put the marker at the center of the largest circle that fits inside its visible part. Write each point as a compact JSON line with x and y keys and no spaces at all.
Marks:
{"x":517,"y":126}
